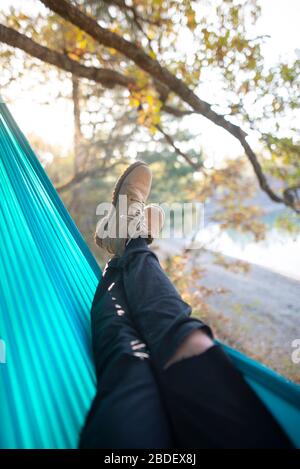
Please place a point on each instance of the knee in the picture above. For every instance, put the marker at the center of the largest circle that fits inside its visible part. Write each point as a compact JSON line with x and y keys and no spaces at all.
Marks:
{"x":195,"y":343}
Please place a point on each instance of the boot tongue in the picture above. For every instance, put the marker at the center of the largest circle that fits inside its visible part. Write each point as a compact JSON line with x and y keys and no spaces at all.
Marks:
{"x":135,"y":208}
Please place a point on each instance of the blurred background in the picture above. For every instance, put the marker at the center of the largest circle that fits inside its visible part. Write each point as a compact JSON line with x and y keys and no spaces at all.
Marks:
{"x":240,"y":56}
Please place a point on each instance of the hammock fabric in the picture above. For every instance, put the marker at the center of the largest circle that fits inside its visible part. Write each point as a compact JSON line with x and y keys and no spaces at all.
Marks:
{"x":48,"y":279}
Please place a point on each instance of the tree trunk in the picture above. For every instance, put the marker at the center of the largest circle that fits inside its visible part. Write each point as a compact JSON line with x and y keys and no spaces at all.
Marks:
{"x":77,"y":125}
{"x":77,"y":148}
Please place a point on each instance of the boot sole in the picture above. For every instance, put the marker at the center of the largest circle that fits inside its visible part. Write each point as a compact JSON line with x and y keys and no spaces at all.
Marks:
{"x":122,"y":178}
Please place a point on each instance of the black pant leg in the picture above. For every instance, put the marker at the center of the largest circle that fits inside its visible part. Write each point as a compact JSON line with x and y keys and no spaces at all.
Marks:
{"x":158,"y":311}
{"x":127,"y":411}
{"x":211,"y":406}
{"x":208,"y":401}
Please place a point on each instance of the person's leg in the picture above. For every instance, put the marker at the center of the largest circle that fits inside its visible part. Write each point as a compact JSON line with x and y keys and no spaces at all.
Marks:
{"x":157,"y":309}
{"x":209,"y":402}
{"x":212,"y":406}
{"x":127,"y":411}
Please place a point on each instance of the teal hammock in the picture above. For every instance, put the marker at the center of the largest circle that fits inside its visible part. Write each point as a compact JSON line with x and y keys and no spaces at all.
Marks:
{"x":48,"y":279}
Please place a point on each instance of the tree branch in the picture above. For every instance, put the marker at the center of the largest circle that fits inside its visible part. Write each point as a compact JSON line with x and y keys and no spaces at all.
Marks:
{"x":108,"y":78}
{"x":176,"y":112}
{"x":195,"y":166}
{"x":135,"y":53}
{"x":136,"y":16}
{"x":81,"y":175}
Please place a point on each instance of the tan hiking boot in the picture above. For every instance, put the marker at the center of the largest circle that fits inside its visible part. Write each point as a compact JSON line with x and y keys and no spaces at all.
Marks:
{"x":135,"y":183}
{"x":129,"y":217}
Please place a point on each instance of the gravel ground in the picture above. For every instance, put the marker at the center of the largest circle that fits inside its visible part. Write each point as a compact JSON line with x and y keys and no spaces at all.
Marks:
{"x":263,"y":308}
{"x":263,"y":312}
{"x":259,"y":314}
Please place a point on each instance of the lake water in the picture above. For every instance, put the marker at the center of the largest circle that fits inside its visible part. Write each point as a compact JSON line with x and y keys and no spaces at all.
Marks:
{"x":279,"y":251}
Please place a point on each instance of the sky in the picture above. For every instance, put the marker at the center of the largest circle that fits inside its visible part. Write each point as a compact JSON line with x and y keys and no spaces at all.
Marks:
{"x":53,"y":123}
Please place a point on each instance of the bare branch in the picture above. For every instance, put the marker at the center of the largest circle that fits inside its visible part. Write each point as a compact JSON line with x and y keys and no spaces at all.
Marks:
{"x":176,"y":112}
{"x":195,"y":166}
{"x":82,"y":175}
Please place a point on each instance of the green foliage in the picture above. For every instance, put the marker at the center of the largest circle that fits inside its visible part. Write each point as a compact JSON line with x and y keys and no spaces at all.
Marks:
{"x":284,"y":158}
